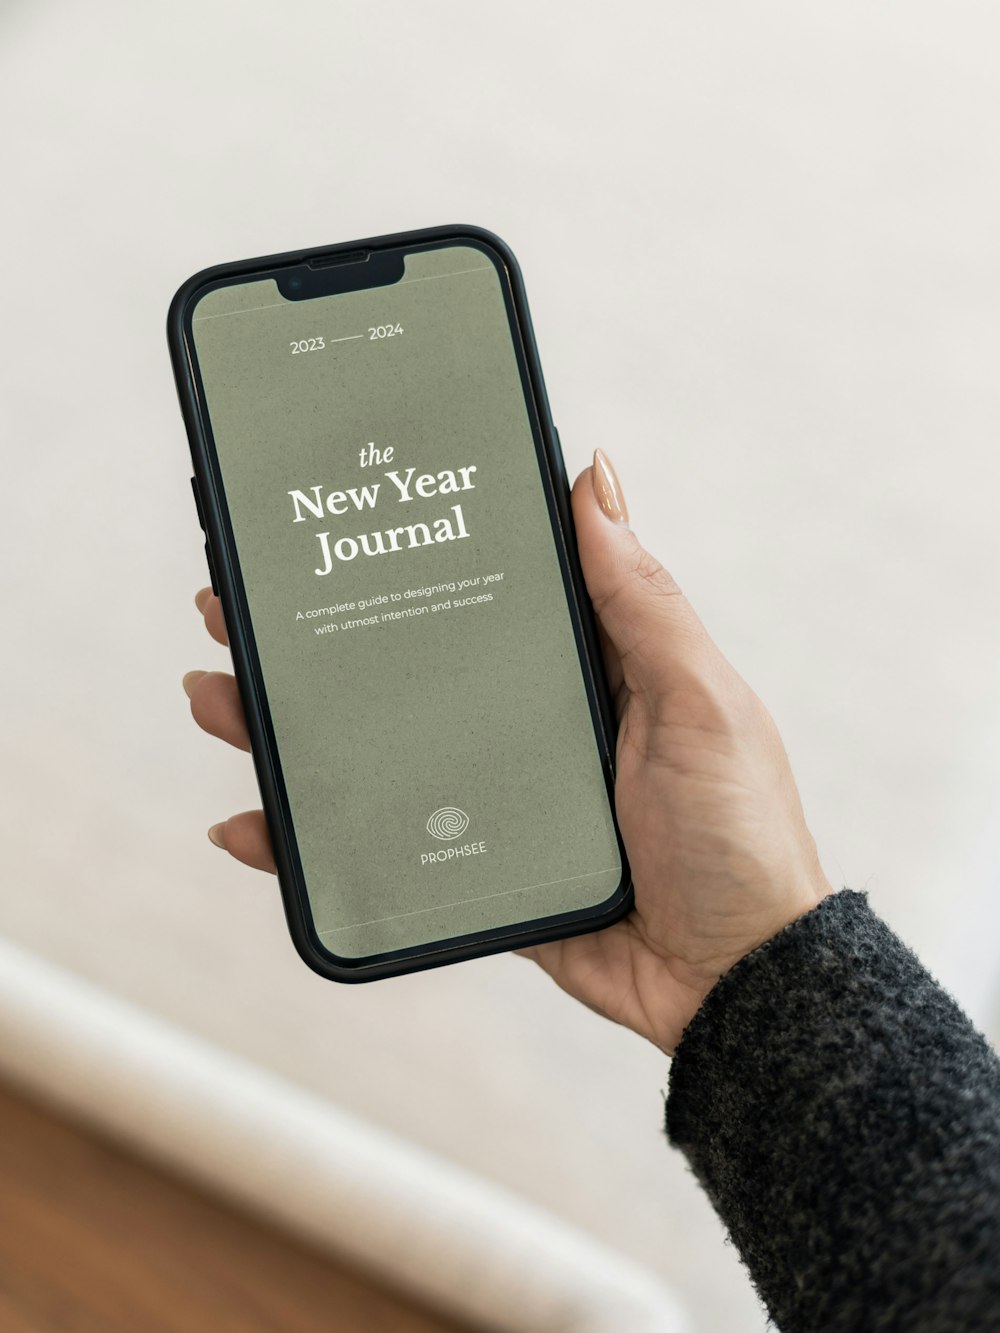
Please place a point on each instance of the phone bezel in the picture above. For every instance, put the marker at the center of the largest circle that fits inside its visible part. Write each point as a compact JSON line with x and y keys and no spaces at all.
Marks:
{"x":227,"y":578}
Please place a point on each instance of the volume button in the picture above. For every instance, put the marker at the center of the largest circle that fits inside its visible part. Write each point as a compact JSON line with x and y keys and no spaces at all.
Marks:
{"x":211,"y":570}
{"x":197,"y":503}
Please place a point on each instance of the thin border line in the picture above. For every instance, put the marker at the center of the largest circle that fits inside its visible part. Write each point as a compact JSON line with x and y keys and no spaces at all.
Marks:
{"x":274,"y":305}
{"x":429,"y":277}
{"x":250,"y":310}
{"x":463,"y":902}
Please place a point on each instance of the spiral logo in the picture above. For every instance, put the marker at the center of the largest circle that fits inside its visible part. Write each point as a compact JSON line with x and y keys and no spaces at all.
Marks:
{"x":447,"y":823}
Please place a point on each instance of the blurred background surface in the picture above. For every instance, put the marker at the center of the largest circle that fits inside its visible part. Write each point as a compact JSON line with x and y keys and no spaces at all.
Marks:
{"x":760,"y":244}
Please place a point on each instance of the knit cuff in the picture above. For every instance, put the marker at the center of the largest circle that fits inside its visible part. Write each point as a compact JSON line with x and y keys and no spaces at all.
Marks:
{"x":843,"y":1116}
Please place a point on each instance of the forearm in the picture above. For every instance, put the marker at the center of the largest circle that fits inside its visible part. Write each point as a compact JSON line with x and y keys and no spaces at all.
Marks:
{"x":843,"y":1116}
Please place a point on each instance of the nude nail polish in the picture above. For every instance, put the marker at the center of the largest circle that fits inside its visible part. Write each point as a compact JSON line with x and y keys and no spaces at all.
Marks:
{"x":215,"y":836}
{"x":608,"y":489}
{"x":191,"y":679}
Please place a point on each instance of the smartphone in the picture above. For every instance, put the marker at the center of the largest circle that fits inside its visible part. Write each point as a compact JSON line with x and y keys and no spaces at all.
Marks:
{"x":387,"y":524}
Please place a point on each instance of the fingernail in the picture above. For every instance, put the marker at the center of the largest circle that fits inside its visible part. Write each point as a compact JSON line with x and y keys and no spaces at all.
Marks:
{"x":608,"y":489}
{"x":201,"y":598}
{"x":191,"y":679}
{"x":215,"y":836}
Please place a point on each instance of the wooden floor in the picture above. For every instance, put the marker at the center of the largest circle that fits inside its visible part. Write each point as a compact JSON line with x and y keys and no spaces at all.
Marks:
{"x":94,"y":1241}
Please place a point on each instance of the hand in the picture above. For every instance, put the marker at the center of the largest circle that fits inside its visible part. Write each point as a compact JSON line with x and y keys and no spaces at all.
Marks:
{"x":709,"y":813}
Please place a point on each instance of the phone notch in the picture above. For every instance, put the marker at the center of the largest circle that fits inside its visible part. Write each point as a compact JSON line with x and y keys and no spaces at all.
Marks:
{"x":340,"y":271}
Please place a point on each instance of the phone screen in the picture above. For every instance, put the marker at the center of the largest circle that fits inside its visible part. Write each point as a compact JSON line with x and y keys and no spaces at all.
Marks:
{"x":376,"y":455}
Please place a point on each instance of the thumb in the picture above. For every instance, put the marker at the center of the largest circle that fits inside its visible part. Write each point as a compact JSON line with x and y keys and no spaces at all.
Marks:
{"x":639,"y":604}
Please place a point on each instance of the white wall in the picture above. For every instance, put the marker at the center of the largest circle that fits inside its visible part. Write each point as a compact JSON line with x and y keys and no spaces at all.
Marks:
{"x":761,"y":247}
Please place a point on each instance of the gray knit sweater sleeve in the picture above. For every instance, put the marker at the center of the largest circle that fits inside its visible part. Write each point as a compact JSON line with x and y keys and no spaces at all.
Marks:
{"x":843,"y":1116}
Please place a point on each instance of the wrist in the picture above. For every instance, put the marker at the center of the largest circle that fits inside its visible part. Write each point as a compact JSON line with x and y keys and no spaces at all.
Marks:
{"x":697,"y":981}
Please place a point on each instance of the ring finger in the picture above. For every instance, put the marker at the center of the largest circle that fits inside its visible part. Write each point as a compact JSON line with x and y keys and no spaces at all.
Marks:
{"x":216,"y":706}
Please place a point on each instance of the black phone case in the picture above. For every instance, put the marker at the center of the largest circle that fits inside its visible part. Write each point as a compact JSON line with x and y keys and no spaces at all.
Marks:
{"x":227,"y":582}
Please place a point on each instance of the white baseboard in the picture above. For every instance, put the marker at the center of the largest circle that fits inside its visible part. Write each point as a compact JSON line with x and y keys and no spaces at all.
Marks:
{"x":451,"y":1239}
